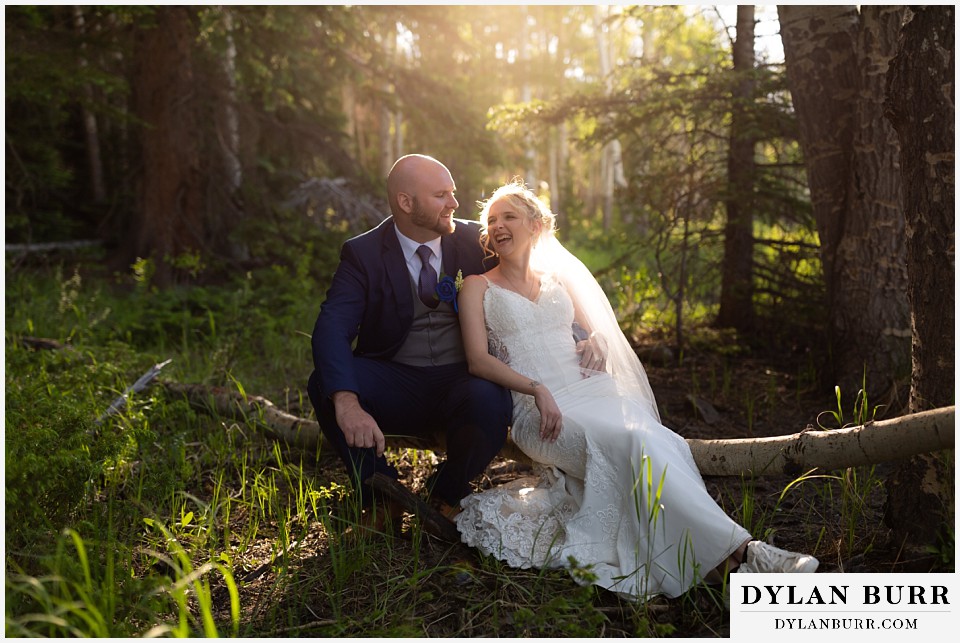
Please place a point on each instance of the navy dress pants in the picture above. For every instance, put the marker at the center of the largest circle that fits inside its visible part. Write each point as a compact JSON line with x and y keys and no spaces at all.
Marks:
{"x":471,"y":412}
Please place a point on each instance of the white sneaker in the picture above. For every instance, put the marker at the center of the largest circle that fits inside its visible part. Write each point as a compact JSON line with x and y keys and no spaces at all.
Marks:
{"x":761,"y":558}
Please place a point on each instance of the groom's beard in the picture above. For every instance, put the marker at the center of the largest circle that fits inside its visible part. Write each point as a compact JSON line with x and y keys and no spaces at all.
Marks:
{"x":442,"y":225}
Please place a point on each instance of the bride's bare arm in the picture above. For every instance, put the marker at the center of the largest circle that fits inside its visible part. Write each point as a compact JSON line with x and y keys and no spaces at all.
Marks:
{"x":482,"y":364}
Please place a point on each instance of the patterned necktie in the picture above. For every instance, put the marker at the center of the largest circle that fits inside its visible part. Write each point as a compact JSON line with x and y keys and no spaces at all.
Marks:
{"x":428,"y":278}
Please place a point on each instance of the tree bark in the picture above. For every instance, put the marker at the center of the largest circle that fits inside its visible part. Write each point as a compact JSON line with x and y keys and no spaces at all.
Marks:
{"x":820,"y":59}
{"x":836,"y":59}
{"x":920,"y":105}
{"x":384,"y":113}
{"x":612,"y":174}
{"x":230,"y":119}
{"x":736,"y":288}
{"x":170,"y":218}
{"x":398,"y":133}
{"x":526,"y":95}
{"x":553,"y":168}
{"x":790,"y":454}
{"x":871,"y":257}
{"x":796,"y":454}
{"x":91,"y":132}
{"x":223,"y":203}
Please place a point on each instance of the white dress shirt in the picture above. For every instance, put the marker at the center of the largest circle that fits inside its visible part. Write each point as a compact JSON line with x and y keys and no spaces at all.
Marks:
{"x":409,"y":247}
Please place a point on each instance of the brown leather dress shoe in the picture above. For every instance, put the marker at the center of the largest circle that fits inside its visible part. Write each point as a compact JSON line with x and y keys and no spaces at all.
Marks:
{"x":434,"y":521}
{"x":382,"y":516}
{"x":447,"y":511}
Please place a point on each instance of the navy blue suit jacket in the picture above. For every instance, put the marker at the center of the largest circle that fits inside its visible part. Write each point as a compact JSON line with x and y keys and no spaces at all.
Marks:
{"x":371,"y":299}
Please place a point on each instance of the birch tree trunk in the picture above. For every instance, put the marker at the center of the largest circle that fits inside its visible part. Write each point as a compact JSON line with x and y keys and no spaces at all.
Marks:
{"x":611,"y":172}
{"x":564,"y":180}
{"x":398,"y":134}
{"x":798,"y":453}
{"x":792,"y":454}
{"x":385,"y":114}
{"x":836,"y":59}
{"x":553,"y":154}
{"x":231,"y":121}
{"x":224,"y":203}
{"x":348,"y":100}
{"x":91,"y":132}
{"x":920,"y":105}
{"x":526,"y":95}
{"x":606,"y":186}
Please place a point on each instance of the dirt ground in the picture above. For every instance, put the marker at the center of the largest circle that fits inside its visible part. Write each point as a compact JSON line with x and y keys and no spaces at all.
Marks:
{"x":839,"y":518}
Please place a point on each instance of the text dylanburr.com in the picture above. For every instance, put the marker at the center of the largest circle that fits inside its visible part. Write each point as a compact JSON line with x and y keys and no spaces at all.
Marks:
{"x":857,"y":607}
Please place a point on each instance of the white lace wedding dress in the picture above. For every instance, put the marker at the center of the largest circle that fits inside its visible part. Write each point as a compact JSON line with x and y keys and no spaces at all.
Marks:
{"x":618,"y":493}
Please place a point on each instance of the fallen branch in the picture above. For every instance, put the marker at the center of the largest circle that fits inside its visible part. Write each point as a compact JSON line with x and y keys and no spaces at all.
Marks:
{"x":871,"y":443}
{"x":28,"y":248}
{"x":262,"y":412}
{"x":44,"y":343}
{"x":794,"y":454}
{"x":136,"y":387}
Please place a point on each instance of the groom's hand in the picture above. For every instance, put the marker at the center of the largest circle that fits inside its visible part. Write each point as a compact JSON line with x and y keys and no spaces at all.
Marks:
{"x":358,"y":426}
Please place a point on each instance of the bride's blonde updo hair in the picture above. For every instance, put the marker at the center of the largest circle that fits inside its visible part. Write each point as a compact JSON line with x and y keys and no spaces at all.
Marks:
{"x":525,"y":202}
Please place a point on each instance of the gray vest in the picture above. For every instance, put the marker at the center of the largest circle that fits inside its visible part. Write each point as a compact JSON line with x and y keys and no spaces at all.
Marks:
{"x":434,"y":338}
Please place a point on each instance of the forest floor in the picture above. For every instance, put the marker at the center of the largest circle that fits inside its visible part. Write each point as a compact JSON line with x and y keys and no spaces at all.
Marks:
{"x":190,"y":522}
{"x":839,"y":518}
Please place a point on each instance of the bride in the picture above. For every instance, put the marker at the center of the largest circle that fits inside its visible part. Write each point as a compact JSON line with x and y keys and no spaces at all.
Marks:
{"x":618,"y":492}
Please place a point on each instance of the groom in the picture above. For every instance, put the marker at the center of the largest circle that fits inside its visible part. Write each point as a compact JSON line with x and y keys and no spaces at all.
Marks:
{"x":407,"y":374}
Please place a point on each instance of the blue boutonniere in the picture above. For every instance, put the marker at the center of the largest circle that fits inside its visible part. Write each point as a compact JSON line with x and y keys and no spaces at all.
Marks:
{"x":448,"y":287}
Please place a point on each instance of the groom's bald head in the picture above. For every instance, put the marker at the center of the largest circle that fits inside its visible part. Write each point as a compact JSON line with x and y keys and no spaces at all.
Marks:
{"x":408,"y":173}
{"x":421,"y":194}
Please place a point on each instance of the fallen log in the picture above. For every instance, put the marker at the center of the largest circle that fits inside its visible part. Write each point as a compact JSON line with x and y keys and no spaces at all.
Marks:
{"x":794,"y":454}
{"x":871,"y":443}
{"x":44,"y":343}
{"x":28,"y":248}
{"x":294,"y":430}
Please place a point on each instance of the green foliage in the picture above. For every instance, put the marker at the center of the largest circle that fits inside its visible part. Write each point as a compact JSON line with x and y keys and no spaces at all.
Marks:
{"x":316,"y":91}
{"x":38,"y":88}
{"x":560,"y":616}
{"x":85,"y":596}
{"x":946,"y":548}
{"x":202,"y":327}
{"x":670,"y":111}
{"x":120,"y":483}
{"x":182,"y":517}
{"x":862,"y":412}
{"x":48,"y":77}
{"x":52,"y":459}
{"x":77,"y":597}
{"x":173,"y":514}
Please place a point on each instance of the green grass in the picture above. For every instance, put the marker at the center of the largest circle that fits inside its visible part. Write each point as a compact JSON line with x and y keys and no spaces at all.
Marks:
{"x":170,"y":520}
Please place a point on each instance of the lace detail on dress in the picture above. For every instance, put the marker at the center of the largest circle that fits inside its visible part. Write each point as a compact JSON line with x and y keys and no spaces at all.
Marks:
{"x":521,"y":522}
{"x":518,"y":329}
{"x":637,"y":522}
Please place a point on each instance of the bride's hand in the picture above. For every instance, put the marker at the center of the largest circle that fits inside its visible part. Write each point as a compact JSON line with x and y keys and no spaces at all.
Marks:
{"x":551,"y":420}
{"x":593,"y":356}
